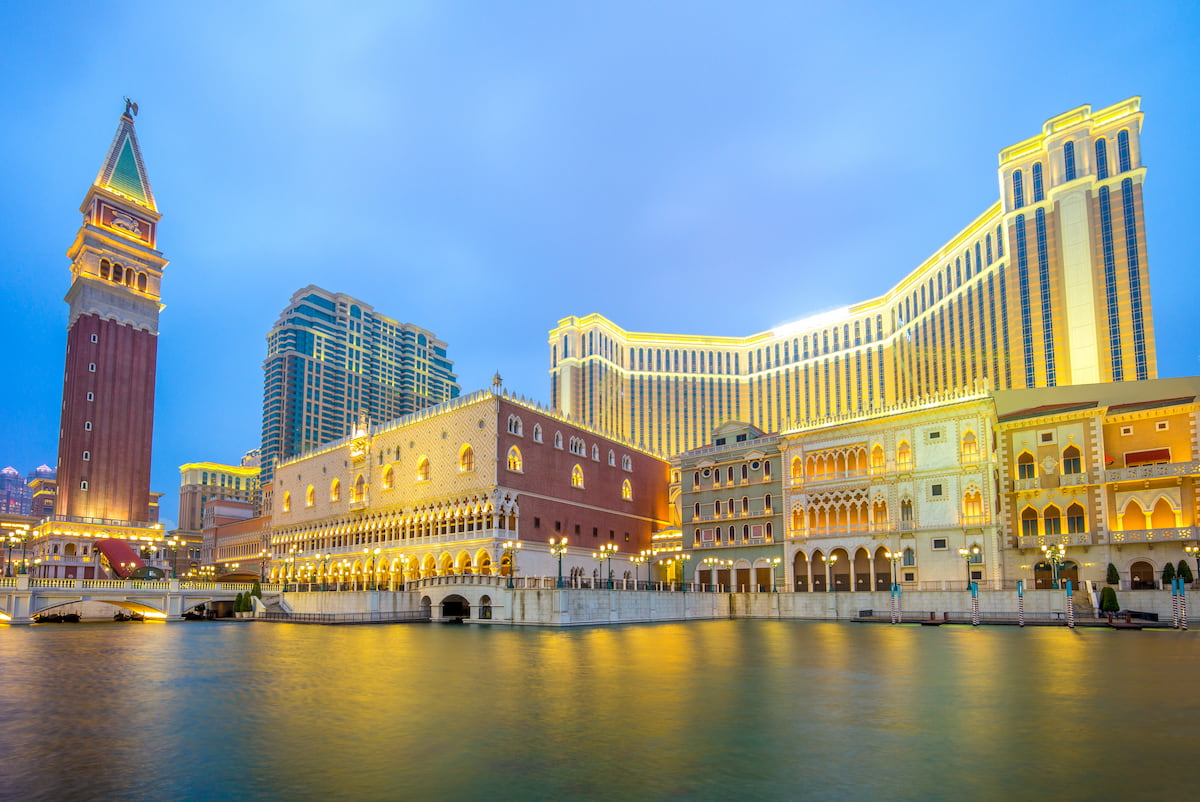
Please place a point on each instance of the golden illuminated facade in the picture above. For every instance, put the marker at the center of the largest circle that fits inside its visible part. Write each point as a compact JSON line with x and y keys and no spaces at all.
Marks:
{"x":1049,"y":286}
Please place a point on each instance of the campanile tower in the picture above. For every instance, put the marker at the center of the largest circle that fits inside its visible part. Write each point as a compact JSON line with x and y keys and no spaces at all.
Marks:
{"x":112,"y":342}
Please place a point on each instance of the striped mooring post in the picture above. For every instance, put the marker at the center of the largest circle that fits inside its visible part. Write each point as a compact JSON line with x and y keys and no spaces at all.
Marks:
{"x":1182,"y":606}
{"x":892,"y":603}
{"x":1175,"y":603}
{"x":899,"y":604}
{"x":1070,"y":607}
{"x":974,"y":604}
{"x":1020,"y":602}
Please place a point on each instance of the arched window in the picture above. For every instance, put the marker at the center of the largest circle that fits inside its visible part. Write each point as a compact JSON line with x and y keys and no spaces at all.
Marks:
{"x":141,"y":282}
{"x":1038,"y":194}
{"x":514,"y":426}
{"x":627,"y":490}
{"x":797,"y":468}
{"x":595,"y":453}
{"x":745,"y":472}
{"x":972,"y":506}
{"x":117,"y":273}
{"x":904,"y":459}
{"x":729,"y":474}
{"x":970,"y":447}
{"x":577,"y":476}
{"x":423,"y":469}
{"x":1071,"y":461}
{"x":514,"y":459}
{"x":906,"y":511}
{"x":389,"y":478}
{"x":359,"y":493}
{"x":1026,"y":469}
{"x":1123,"y":160}
{"x":466,"y":458}
{"x":877,"y":462}
{"x":910,"y":558}
{"x":310,"y":496}
{"x":717,"y":507}
{"x":1029,"y":522}
{"x":287,"y":502}
{"x":1052,"y":521}
{"x":558,"y":440}
{"x":767,"y":503}
{"x":626,"y":462}
{"x":766,"y":469}
{"x":1101,"y":159}
{"x":1076,"y":523}
{"x":1069,"y":161}
{"x":612,"y":458}
{"x":696,"y":511}
{"x":696,"y":480}
{"x":335,"y":490}
{"x":1018,"y":185}
{"x":105,"y":268}
{"x":537,"y":432}
{"x":745,"y":505}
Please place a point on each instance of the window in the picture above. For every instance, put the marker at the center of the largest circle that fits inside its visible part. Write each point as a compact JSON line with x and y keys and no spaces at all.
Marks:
{"x":1046,"y":437}
{"x":91,"y":396}
{"x":1071,"y":461}
{"x":1025,"y":466}
{"x":423,"y":469}
{"x":558,"y":440}
{"x":906,"y":510}
{"x":1018,"y":185}
{"x":1126,"y":431}
{"x":745,"y":505}
{"x":91,"y":367}
{"x":935,"y":435}
{"x":1038,"y":194}
{"x":83,"y":485}
{"x":972,"y":506}
{"x":1162,"y":426}
{"x":797,"y":468}
{"x":335,"y":489}
{"x":696,"y":480}
{"x":577,"y":476}
{"x":626,"y":490}
{"x":389,"y":478}
{"x":1052,"y":520}
{"x":612,"y":458}
{"x":514,"y":460}
{"x":466,"y":458}
{"x":767,"y":469}
{"x":1075,"y":519}
{"x":87,"y":425}
{"x":595,"y":453}
{"x":1101,"y":159}
{"x":767,"y":503}
{"x":287,"y":502}
{"x":514,"y":425}
{"x":904,"y":460}
{"x":938,"y":544}
{"x":1123,"y":160}
{"x":1029,"y":522}
{"x":745,"y":472}
{"x":95,"y":339}
{"x":310,"y":496}
{"x":87,"y":456}
{"x":935,"y":491}
{"x":1069,"y":161}
{"x":626,"y":462}
{"x":537,"y":432}
{"x":910,"y":558}
{"x":358,"y":493}
{"x":970,"y":447}
{"x":717,"y":507}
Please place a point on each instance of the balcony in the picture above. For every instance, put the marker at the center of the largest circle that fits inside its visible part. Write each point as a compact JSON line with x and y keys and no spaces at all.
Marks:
{"x":829,"y":478}
{"x":1164,"y":535}
{"x":1033,"y":483}
{"x":360,"y":502}
{"x":1072,"y":479}
{"x":1162,"y":471}
{"x":1071,"y":539}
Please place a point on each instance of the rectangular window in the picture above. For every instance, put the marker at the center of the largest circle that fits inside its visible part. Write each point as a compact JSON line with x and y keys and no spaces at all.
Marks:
{"x":87,"y":426}
{"x":1162,"y":426}
{"x":91,"y":397}
{"x":91,"y":367}
{"x":938,"y":544}
{"x":1046,"y":437}
{"x":95,"y":339}
{"x":537,"y":523}
{"x":935,"y":435}
{"x":935,"y":491}
{"x":87,"y":456}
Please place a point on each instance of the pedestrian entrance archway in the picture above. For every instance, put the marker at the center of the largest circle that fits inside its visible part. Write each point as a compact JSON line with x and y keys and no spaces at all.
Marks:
{"x":455,"y":607}
{"x":1141,"y":576}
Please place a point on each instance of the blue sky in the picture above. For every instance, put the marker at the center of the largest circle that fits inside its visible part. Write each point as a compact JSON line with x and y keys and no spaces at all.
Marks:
{"x":484,"y":169}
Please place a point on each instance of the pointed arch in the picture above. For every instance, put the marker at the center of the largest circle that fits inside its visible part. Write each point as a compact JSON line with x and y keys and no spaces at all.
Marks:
{"x":423,"y":472}
{"x":514,"y":460}
{"x":626,"y":490}
{"x":335,"y":490}
{"x":466,"y":458}
{"x":577,"y":476}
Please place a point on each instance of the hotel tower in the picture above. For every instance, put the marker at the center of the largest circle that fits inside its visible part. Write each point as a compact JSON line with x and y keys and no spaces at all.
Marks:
{"x":1049,"y":286}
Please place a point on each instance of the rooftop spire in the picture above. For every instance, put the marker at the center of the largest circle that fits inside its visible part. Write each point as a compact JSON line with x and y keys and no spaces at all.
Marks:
{"x":123,"y":172}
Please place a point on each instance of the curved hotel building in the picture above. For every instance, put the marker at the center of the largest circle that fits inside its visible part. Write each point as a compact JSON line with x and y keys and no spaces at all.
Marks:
{"x":1049,"y":286}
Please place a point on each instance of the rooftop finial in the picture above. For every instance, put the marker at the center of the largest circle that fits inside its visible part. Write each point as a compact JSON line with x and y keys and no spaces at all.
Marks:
{"x":131,"y":108}
{"x":497,"y":382}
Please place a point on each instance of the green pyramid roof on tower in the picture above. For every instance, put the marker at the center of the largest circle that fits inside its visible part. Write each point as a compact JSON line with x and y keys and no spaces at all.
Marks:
{"x":123,"y":171}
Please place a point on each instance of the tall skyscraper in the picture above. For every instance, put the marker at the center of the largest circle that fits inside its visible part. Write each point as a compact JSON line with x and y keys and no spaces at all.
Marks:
{"x":1048,"y":286}
{"x":112,"y":342}
{"x":333,"y":360}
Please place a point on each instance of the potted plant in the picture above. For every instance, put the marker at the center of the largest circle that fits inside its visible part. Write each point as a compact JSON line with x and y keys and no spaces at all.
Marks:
{"x":1108,"y":600}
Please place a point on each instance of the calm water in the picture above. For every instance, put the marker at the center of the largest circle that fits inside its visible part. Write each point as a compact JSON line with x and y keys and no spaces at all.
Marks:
{"x":710,"y":710}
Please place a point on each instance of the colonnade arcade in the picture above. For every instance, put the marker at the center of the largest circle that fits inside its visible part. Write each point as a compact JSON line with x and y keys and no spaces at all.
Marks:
{"x":435,"y":538}
{"x":842,"y":568}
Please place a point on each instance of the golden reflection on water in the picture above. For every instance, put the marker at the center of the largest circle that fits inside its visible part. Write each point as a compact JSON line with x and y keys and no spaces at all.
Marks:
{"x":707,"y":710}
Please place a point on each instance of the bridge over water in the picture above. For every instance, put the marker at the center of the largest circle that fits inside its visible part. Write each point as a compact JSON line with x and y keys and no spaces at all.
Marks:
{"x":23,"y":597}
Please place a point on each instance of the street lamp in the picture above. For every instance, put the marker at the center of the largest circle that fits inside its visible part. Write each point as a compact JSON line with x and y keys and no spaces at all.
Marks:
{"x":971,"y":553}
{"x":557,"y":549}
{"x":712,"y":563}
{"x":292,"y":560}
{"x":774,"y":563}
{"x":1056,"y":555}
{"x":893,"y":557}
{"x":174,"y":543}
{"x":263,"y":556}
{"x":642,"y":557}
{"x":829,"y":563}
{"x":606,"y":553}
{"x":511,"y":547}
{"x":374,"y":556}
{"x":1195,"y":552}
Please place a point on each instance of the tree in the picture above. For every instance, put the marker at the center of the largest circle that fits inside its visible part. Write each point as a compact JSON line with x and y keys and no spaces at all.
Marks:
{"x":256,"y":589}
{"x":1114,"y":577}
{"x":1108,"y":600}
{"x":239,"y":602}
{"x":1184,"y":571}
{"x":1168,"y":573}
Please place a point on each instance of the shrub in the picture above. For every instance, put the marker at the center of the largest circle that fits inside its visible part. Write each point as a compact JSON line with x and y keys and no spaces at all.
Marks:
{"x":239,"y":602}
{"x":1108,"y":600}
{"x":256,"y":589}
{"x":1114,"y":577}
{"x":1168,"y":573}
{"x":1184,"y":571}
